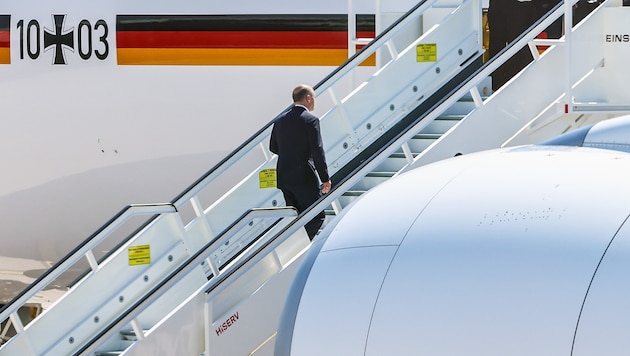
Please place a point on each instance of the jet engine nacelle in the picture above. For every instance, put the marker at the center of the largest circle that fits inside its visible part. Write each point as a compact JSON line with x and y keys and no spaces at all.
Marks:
{"x":519,"y":251}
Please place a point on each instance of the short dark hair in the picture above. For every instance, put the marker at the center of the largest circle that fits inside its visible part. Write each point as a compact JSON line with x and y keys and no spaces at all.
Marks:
{"x":299,"y":95}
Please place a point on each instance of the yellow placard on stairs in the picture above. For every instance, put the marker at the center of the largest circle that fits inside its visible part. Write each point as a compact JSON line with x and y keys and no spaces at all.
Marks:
{"x":267,"y":178}
{"x":139,"y":255}
{"x":426,"y":52}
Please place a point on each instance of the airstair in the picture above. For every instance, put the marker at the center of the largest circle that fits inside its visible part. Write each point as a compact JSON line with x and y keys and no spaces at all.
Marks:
{"x":208,"y":273}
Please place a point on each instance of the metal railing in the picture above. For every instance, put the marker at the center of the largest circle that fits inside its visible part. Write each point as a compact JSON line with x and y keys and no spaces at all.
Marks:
{"x":281,"y":216}
{"x":84,"y":250}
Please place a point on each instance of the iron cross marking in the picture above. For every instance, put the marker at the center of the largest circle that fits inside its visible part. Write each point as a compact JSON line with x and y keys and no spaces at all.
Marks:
{"x":59,"y":39}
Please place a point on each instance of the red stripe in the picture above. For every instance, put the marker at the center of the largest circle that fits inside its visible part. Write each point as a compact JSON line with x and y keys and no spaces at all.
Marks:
{"x":5,"y":39}
{"x":233,"y":39}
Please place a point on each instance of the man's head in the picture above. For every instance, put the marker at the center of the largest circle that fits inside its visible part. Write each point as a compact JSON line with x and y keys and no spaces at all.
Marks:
{"x":304,"y":95}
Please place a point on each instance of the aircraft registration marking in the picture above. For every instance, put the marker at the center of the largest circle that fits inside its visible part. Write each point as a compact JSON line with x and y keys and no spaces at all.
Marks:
{"x":86,"y":39}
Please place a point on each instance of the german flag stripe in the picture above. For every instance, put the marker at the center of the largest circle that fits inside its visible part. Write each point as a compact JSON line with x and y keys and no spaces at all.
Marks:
{"x":5,"y":22}
{"x":5,"y":55}
{"x":234,"y":39}
{"x":237,"y":39}
{"x":285,"y":22}
{"x":5,"y":39}
{"x":234,"y":56}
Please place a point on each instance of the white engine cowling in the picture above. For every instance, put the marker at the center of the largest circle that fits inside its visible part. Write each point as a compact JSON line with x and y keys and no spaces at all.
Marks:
{"x":520,"y":251}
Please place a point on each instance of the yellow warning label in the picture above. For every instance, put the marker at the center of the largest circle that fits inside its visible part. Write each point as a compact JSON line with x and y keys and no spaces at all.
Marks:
{"x":139,"y":255}
{"x":426,"y":52}
{"x":267,"y":178}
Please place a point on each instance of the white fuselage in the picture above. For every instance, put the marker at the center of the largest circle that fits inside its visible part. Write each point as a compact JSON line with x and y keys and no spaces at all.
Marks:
{"x":85,"y":134}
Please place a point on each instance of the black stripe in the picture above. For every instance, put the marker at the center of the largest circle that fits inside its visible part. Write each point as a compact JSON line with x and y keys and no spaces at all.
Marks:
{"x":329,"y":22}
{"x":5,"y":22}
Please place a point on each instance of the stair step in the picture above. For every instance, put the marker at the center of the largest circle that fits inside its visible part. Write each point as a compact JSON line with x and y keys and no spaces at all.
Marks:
{"x":108,"y":353}
{"x":420,"y":142}
{"x":461,"y":107}
{"x":450,"y":117}
{"x":380,"y":174}
{"x":426,"y":136}
{"x":129,"y":335}
{"x":371,"y":180}
{"x":440,"y":126}
{"x":392,"y":164}
{"x":354,"y":193}
{"x":347,"y":199}
{"x":400,"y":155}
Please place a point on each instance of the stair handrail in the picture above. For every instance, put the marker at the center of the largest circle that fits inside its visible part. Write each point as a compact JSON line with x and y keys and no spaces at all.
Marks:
{"x":262,"y":134}
{"x":192,"y":262}
{"x":443,"y":103}
{"x":379,"y":41}
{"x":527,"y":37}
{"x":81,"y":251}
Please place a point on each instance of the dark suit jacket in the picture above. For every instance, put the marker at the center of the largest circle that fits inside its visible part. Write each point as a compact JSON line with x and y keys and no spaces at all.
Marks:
{"x":297,"y":140}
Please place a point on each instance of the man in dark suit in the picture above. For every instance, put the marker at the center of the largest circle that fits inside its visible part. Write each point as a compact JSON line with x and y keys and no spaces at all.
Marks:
{"x":297,"y":140}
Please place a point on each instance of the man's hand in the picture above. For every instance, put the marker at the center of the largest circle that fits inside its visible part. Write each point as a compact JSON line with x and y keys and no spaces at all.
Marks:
{"x":326,"y":187}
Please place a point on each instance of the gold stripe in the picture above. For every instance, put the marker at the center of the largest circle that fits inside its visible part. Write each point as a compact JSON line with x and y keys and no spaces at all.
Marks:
{"x":234,"y":56}
{"x":5,"y":55}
